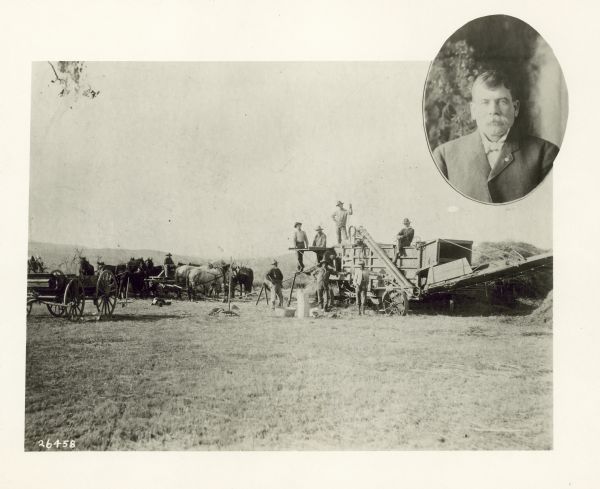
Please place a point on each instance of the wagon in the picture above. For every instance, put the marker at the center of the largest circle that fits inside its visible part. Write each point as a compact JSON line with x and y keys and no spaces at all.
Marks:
{"x":439,"y":268}
{"x":65,"y":294}
{"x":161,"y":286}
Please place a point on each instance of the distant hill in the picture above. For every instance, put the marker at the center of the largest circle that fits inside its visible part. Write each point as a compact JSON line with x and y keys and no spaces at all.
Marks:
{"x":62,"y":256}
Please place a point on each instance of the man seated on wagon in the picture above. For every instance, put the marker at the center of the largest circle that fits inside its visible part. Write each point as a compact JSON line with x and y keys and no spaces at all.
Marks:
{"x":404,"y":239}
{"x":31,"y":265}
{"x":85,"y":267}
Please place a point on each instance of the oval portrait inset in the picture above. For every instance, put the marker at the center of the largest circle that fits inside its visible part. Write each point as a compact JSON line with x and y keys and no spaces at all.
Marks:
{"x":495,"y":109}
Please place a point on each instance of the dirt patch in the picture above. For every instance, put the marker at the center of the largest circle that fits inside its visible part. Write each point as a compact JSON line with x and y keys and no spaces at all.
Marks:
{"x":175,"y":378}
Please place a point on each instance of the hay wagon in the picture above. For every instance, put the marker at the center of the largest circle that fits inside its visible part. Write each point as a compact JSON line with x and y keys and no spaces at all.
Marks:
{"x":64,"y":295}
{"x":439,"y":268}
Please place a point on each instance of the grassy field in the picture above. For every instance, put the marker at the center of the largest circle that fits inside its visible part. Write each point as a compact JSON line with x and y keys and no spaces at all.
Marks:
{"x":177,"y":378}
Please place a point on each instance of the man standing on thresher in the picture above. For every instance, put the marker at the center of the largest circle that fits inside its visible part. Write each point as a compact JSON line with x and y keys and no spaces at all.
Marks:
{"x":360,"y":280}
{"x":299,"y":240}
{"x":404,"y":239}
{"x":274,"y":281}
{"x":340,"y":216}
{"x":320,"y":241}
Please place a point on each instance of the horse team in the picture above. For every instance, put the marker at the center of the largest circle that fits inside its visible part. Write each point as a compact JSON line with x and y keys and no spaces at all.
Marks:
{"x":197,"y":280}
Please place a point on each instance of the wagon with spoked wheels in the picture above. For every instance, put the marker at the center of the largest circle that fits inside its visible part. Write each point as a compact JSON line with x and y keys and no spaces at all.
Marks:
{"x":64,"y":295}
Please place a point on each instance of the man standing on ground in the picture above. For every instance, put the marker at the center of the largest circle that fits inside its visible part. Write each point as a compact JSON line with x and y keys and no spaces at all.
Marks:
{"x":340,"y":216}
{"x":274,"y":281}
{"x":299,"y":240}
{"x":169,"y":265}
{"x":320,"y":241}
{"x":361,"y":284}
{"x":321,"y":275}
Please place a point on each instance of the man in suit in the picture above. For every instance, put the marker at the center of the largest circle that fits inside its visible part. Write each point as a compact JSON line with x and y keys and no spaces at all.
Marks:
{"x":495,"y":163}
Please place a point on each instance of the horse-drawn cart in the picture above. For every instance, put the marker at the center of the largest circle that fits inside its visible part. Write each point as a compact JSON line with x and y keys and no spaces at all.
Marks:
{"x":65,"y":294}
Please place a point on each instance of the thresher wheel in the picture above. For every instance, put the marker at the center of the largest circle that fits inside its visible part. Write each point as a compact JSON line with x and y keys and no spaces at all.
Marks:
{"x":395,"y":302}
{"x":106,"y":294}
{"x":74,"y":301}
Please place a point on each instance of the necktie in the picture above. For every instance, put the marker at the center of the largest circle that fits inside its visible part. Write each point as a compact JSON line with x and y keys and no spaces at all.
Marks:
{"x":493,"y":147}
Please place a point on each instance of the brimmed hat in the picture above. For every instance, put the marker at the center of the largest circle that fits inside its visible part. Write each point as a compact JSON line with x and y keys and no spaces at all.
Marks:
{"x":168,"y":254}
{"x":297,"y":224}
{"x":274,"y":262}
{"x":318,"y":228}
{"x":406,"y":220}
{"x":339,"y":202}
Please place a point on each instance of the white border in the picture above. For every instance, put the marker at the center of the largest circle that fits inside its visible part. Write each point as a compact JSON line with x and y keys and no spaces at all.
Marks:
{"x":309,"y":30}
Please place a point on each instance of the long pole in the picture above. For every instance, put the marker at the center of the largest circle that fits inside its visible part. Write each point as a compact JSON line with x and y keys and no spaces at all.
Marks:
{"x":229,"y":288}
{"x":260,"y":294}
{"x":292,"y":289}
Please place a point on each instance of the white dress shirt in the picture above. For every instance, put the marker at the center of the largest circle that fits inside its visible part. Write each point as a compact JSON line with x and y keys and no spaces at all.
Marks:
{"x":492,"y":149}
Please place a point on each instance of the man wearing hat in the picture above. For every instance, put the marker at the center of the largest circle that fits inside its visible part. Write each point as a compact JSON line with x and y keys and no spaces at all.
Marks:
{"x":85,"y":267}
{"x":320,"y":241}
{"x":321,"y":275}
{"x":299,"y":240}
{"x":360,"y":280}
{"x":404,"y":239}
{"x":340,"y":216}
{"x":273,"y":281}
{"x":168,"y":265}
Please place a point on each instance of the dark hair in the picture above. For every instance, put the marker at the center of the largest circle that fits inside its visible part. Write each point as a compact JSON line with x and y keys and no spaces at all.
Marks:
{"x":497,"y":78}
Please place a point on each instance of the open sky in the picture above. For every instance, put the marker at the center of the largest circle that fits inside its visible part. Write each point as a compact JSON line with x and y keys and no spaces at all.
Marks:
{"x":220,"y":159}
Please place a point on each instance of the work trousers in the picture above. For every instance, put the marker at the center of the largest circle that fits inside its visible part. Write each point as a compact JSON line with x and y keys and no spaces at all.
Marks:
{"x":341,"y":231}
{"x":361,"y":298}
{"x":323,"y":295}
{"x":300,"y":256}
{"x":276,"y":293}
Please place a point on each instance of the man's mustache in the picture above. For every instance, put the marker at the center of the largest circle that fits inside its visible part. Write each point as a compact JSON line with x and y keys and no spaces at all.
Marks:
{"x":497,"y":121}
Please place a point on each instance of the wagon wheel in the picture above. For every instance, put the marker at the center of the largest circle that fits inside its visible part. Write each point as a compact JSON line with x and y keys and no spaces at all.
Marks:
{"x":57,"y":310}
{"x":395,"y":302}
{"x":74,"y":301}
{"x":106,"y":293}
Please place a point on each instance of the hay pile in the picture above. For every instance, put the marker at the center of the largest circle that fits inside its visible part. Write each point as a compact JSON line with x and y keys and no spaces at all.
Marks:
{"x":543,"y":314}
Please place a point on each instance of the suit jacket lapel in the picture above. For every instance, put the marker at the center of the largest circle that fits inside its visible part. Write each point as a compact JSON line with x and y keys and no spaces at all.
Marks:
{"x":478,"y":159}
{"x":507,"y":155}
